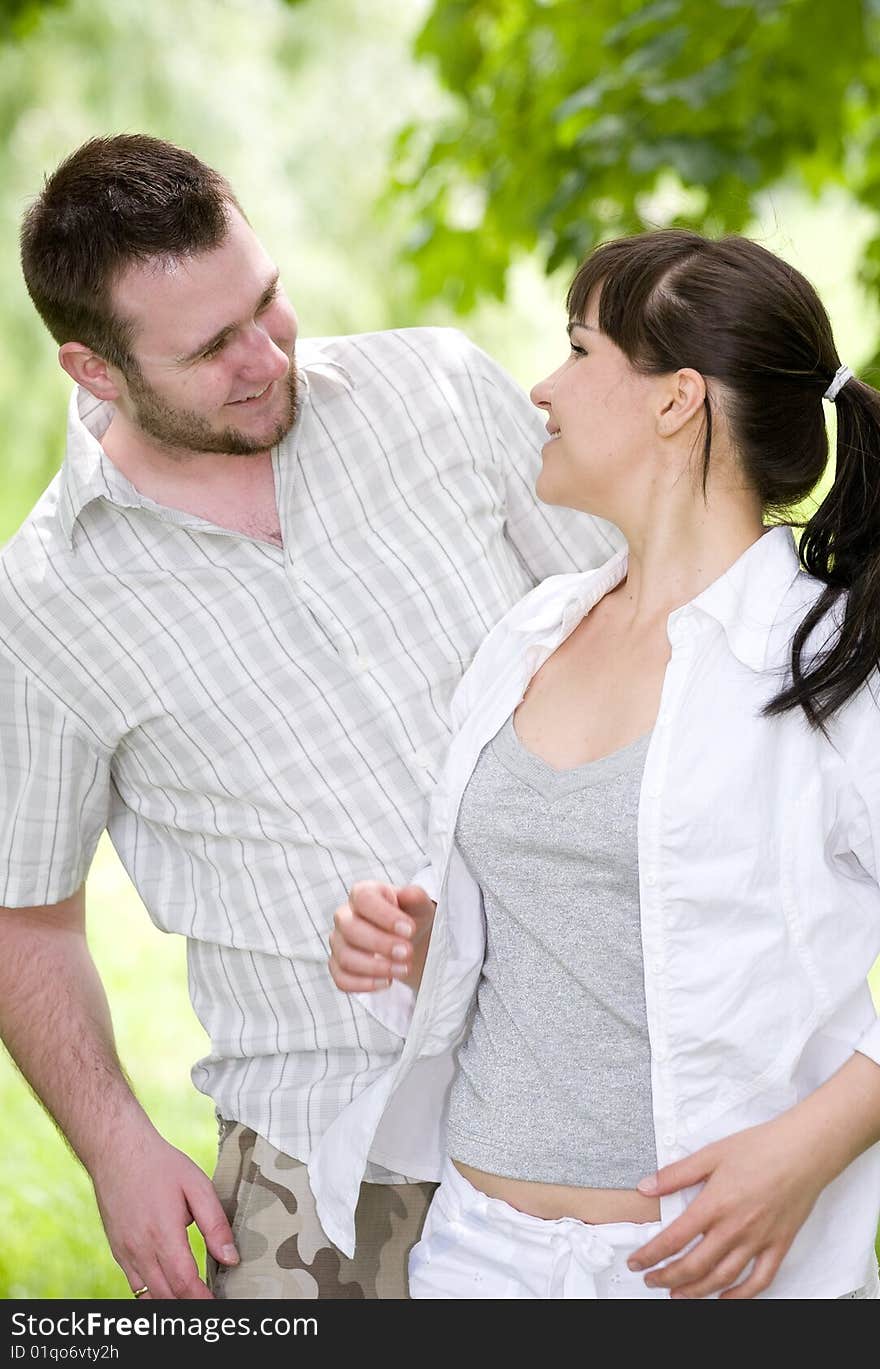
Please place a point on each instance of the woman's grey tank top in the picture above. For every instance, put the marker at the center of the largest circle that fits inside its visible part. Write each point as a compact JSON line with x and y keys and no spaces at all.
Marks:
{"x":554,"y":1080}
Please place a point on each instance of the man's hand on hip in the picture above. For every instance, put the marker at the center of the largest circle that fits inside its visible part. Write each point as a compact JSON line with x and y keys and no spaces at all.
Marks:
{"x":147,"y":1195}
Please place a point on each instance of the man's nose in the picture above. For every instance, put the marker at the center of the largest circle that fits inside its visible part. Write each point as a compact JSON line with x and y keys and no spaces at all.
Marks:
{"x":265,"y":357}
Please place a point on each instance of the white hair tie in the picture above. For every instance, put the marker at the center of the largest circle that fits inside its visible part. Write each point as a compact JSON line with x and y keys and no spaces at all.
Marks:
{"x":841,"y":376}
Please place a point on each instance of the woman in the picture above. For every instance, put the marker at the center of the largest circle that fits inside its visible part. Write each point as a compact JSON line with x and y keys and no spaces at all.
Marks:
{"x":663,"y":793}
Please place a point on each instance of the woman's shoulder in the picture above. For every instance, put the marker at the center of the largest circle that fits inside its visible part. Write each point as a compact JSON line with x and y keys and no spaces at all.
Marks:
{"x":799,"y":603}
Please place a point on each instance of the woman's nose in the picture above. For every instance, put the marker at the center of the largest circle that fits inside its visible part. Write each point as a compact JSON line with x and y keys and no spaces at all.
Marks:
{"x":541,"y":392}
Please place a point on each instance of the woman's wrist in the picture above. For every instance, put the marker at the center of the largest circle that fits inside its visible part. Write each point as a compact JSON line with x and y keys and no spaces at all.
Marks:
{"x":840,"y":1119}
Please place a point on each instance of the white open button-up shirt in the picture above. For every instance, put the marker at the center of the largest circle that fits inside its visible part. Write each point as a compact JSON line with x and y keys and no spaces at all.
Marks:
{"x":759,"y":847}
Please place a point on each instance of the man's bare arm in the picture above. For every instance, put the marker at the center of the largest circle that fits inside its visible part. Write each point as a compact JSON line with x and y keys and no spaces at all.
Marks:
{"x":55,"y":1022}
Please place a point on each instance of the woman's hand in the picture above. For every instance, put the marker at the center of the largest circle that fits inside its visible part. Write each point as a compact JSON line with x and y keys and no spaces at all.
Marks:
{"x":758,"y":1192}
{"x":760,"y":1186}
{"x":379,"y":935}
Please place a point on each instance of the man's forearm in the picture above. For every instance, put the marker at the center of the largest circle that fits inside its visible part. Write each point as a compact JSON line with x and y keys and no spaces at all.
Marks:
{"x":55,"y":1022}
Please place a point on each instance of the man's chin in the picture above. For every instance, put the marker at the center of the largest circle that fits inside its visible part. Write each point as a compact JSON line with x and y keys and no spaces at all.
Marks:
{"x":181,"y":433}
{"x":242,"y":442}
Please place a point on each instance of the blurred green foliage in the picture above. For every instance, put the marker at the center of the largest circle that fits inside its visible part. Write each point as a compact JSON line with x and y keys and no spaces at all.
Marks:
{"x":289,"y":101}
{"x":556,"y":123}
{"x":577,"y":121}
{"x":18,"y":17}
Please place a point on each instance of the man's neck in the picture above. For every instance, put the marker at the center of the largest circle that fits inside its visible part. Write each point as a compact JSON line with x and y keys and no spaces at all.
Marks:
{"x":233,"y":492}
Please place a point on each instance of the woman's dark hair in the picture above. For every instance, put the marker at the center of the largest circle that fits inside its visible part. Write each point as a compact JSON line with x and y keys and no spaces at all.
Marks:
{"x":113,"y":202}
{"x":738,"y":314}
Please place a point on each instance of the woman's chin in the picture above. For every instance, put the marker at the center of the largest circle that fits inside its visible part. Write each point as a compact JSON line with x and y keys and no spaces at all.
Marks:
{"x":551,"y":491}
{"x":544,"y":489}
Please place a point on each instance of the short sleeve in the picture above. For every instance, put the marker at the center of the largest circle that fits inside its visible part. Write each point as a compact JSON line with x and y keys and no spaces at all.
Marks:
{"x":54,"y":793}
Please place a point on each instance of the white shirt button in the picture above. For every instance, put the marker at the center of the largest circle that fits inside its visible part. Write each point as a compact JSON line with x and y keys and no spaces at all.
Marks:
{"x":669,"y":1138}
{"x":650,"y":877}
{"x":422,"y":759}
{"x":361,"y":664}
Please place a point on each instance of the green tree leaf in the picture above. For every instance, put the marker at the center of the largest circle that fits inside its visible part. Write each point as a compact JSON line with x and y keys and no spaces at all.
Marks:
{"x":570,"y":119}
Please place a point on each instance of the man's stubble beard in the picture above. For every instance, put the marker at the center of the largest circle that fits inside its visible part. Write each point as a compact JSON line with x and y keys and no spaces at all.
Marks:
{"x":182,"y":432}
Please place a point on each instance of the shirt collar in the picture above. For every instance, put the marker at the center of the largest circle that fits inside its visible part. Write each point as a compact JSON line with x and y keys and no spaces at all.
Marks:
{"x":578,"y":593}
{"x":745,"y":600}
{"x":89,"y":474}
{"x":314,"y":360}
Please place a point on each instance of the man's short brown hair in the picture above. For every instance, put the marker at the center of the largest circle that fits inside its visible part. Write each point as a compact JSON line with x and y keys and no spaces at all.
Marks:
{"x":113,"y":202}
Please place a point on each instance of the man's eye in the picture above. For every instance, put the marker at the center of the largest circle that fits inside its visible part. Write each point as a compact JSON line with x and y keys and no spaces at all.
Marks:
{"x":578,"y":351}
{"x":214,"y":351}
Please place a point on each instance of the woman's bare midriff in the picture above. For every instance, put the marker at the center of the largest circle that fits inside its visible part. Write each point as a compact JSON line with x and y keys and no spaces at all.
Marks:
{"x":551,"y":1201}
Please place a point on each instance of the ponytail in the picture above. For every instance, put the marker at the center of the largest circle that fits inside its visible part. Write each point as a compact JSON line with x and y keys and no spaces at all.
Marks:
{"x":840,"y":545}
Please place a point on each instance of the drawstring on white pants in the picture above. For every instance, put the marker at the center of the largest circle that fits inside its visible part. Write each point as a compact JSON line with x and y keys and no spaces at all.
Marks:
{"x":581,"y":1254}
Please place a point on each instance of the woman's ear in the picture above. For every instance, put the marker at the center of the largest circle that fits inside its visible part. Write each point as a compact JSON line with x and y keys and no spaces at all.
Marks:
{"x":681,"y":400}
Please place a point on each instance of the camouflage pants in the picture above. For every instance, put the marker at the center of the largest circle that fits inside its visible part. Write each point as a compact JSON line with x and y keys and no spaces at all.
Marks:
{"x":284,"y":1252}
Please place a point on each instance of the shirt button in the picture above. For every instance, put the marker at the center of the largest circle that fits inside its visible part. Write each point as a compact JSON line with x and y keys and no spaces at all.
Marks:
{"x":669,"y":1138}
{"x":650,"y":877}
{"x":361,"y":664}
{"x":657,"y":966}
{"x":422,"y":759}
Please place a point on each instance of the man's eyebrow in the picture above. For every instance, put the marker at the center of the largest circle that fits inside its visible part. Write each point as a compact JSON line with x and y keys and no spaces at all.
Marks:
{"x":266,"y":298}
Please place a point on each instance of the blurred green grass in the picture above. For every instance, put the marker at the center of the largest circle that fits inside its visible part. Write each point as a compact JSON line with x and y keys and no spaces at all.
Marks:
{"x":54,"y":1244}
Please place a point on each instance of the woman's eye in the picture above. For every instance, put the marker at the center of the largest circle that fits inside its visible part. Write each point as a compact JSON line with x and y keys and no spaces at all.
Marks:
{"x":578,"y":351}
{"x":213,"y":351}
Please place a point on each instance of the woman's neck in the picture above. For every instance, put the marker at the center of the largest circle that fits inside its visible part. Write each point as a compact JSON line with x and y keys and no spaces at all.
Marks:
{"x":678,"y":552}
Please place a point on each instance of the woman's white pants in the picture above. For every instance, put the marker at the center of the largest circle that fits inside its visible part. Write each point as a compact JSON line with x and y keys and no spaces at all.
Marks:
{"x":473,"y":1246}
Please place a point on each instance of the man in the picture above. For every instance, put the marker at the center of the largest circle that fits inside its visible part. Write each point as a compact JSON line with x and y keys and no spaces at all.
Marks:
{"x":228,"y":634}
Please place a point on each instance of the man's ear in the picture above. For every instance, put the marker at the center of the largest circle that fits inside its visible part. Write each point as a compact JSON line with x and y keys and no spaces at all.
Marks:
{"x":89,"y":370}
{"x":681,"y":400}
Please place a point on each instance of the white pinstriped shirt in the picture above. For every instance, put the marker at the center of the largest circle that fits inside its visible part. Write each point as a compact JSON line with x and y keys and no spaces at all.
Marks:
{"x":257,"y":726}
